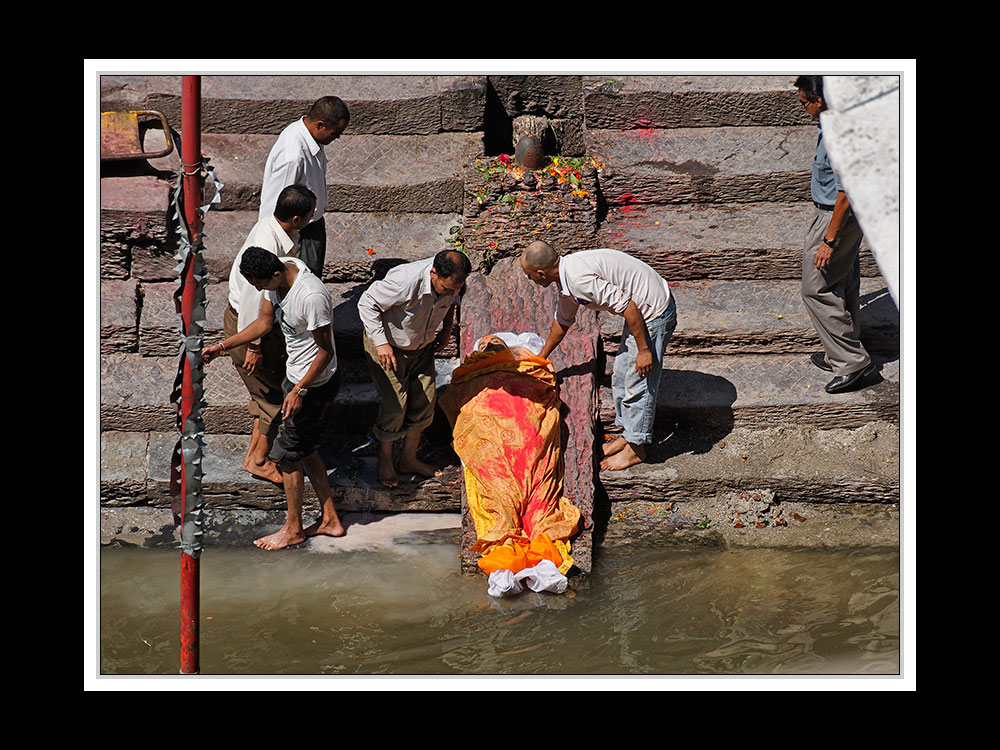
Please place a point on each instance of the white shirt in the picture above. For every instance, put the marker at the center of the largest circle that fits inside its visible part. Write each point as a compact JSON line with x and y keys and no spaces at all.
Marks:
{"x":268,"y":235}
{"x":403,"y":309}
{"x":608,"y":280}
{"x":295,"y":159}
{"x":307,"y":307}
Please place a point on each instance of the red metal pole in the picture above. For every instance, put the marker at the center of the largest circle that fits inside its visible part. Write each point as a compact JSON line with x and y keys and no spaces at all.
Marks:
{"x":192,"y":192}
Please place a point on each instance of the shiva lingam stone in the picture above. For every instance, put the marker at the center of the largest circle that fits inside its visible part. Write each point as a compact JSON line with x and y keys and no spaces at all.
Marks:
{"x":529,"y":153}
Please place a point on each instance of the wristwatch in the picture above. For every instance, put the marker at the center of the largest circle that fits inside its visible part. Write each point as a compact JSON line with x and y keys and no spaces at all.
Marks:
{"x":300,"y":391}
{"x":827,"y":242}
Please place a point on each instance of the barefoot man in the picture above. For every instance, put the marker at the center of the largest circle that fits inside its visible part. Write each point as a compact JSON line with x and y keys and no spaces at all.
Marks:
{"x":613,"y":281}
{"x":261,"y":363}
{"x":302,"y":306}
{"x":401,"y":315}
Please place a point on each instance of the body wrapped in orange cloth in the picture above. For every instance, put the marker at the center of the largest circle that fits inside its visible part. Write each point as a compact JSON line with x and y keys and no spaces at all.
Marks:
{"x":504,"y":410}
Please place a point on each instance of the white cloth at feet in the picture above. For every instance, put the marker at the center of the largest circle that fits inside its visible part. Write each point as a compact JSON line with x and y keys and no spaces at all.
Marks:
{"x":542,"y":577}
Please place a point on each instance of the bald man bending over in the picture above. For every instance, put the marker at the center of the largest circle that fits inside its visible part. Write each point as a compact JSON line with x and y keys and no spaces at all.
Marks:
{"x":618,"y":283}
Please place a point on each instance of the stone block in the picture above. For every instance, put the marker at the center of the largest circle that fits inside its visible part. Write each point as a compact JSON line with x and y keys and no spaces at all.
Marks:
{"x":507,"y":207}
{"x":692,"y":101}
{"x":119,"y":316}
{"x":380,"y":105}
{"x":360,"y":247}
{"x":366,"y":173}
{"x":135,"y":233}
{"x":704,"y":165}
{"x":745,"y":242}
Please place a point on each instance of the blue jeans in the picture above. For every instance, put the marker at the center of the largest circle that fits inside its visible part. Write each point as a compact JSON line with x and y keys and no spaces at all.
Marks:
{"x":635,"y":395}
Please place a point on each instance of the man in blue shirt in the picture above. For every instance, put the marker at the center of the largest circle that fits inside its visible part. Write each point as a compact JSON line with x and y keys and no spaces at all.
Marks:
{"x":831,"y":269}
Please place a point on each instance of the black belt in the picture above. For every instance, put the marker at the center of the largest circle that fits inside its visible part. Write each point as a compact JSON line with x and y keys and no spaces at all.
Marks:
{"x":822,"y":206}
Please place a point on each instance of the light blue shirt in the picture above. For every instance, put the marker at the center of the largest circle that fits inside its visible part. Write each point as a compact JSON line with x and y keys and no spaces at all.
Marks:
{"x":825,"y":183}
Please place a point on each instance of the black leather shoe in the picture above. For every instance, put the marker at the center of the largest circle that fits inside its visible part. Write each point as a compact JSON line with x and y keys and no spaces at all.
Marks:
{"x":819,"y":359}
{"x":843,"y":383}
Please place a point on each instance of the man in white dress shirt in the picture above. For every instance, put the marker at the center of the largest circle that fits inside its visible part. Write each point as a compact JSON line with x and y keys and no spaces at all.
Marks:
{"x":261,"y":363}
{"x":401,"y":315}
{"x":615,"y":282}
{"x":303,"y":308}
{"x":297,"y":157}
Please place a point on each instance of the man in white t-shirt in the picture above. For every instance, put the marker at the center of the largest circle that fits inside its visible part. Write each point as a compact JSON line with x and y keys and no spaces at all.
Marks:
{"x":615,"y":282}
{"x":261,"y":363}
{"x":297,"y":157}
{"x":301,"y":305}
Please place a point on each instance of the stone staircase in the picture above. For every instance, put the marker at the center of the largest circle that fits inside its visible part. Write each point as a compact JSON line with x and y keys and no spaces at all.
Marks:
{"x":703,"y":177}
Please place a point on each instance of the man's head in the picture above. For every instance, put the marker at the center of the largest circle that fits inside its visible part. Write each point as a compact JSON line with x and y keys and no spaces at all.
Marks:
{"x":811,"y":94}
{"x":449,"y":271}
{"x":295,"y":206}
{"x":491,"y":343}
{"x":262,"y":269}
{"x":326,"y":119}
{"x":540,"y":263}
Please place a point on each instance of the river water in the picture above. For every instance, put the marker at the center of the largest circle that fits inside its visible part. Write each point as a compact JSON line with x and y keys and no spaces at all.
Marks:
{"x":401,"y":607}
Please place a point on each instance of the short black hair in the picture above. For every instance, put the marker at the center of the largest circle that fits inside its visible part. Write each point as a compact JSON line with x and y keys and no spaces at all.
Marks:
{"x":258,"y":263}
{"x":449,"y":262}
{"x":810,"y":86}
{"x":294,"y":200}
{"x":329,"y":109}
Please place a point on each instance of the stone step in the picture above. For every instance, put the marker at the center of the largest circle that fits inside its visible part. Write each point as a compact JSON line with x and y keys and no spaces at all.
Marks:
{"x":136,"y":227}
{"x":792,"y":462}
{"x":704,"y":165}
{"x":650,"y":101}
{"x":723,"y":318}
{"x":135,"y":471}
{"x":141,"y":318}
{"x":729,"y":318}
{"x":763,"y":391}
{"x":138,"y":238}
{"x":254,"y":104}
{"x":408,"y":105}
{"x":757,"y":391}
{"x":360,"y":247}
{"x":135,"y":394}
{"x":749,"y":241}
{"x":795,"y":462}
{"x":365,"y":173}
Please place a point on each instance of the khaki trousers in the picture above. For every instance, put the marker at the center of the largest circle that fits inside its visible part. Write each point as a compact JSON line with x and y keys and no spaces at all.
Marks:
{"x":407,"y":395}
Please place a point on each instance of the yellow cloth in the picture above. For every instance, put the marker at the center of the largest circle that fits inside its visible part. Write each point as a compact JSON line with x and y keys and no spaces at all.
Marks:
{"x":506,"y":428}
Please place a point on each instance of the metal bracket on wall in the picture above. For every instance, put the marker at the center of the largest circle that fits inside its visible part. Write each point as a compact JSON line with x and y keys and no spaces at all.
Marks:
{"x":121,"y":138}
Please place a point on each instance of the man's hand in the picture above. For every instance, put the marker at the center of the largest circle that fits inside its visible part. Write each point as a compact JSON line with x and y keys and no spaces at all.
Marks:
{"x":291,"y":404}
{"x":441,"y":340}
{"x":822,"y":259}
{"x":211,"y":351}
{"x":251,"y":360}
{"x":644,"y":362}
{"x":385,"y":357}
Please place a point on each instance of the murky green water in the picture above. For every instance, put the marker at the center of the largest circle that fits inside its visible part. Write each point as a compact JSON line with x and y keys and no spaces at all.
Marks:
{"x":647,"y":611}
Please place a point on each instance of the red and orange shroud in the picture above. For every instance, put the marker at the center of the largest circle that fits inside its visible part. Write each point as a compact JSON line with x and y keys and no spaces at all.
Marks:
{"x":506,"y":426}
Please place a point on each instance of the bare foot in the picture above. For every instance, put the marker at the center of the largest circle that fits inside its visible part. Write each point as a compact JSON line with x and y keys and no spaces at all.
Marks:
{"x":614,"y":446}
{"x":416,"y":466}
{"x":268,"y":470}
{"x":387,"y":474}
{"x":325,"y":529}
{"x":280,"y":539}
{"x":629,"y":456}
